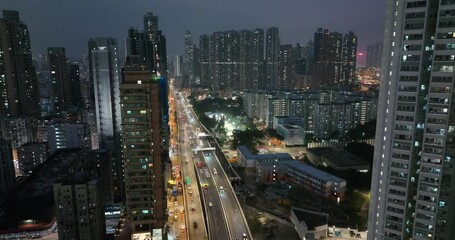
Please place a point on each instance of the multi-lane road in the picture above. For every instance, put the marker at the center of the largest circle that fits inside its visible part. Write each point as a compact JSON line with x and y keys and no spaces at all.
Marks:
{"x":224,"y":215}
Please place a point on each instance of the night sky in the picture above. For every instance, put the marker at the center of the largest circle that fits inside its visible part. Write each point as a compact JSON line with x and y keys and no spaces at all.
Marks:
{"x":71,"y":23}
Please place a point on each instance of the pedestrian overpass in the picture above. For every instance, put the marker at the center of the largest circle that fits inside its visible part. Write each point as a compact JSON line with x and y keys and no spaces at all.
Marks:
{"x":195,"y":150}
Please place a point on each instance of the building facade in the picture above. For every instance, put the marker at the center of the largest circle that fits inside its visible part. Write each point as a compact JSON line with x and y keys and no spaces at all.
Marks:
{"x":334,"y":58}
{"x":105,"y":70}
{"x":79,"y":209}
{"x":412,"y":188}
{"x":61,"y":94}
{"x":68,"y":135}
{"x":143,"y":156}
{"x":18,"y":83}
{"x":7,"y":175}
{"x":374,"y":54}
{"x":31,"y":155}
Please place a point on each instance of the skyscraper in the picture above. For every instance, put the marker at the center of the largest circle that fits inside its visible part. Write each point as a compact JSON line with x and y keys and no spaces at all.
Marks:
{"x":19,"y":94}
{"x":106,"y":81}
{"x":188,"y":57}
{"x":105,"y":74}
{"x":258,"y":61}
{"x":334,"y":58}
{"x":374,"y":53}
{"x":412,"y":193}
{"x":75,"y":79}
{"x":286,"y":67}
{"x":60,"y":79}
{"x":348,"y":59}
{"x":204,"y":60}
{"x":327,"y":57}
{"x":234,"y":60}
{"x":272,"y":53}
{"x":143,"y":101}
{"x":149,"y":44}
{"x":79,"y":208}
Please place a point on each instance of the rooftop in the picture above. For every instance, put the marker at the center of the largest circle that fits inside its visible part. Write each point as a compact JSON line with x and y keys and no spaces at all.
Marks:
{"x":287,"y":126}
{"x":46,"y":174}
{"x":249,"y":155}
{"x":313,"y":171}
{"x":311,"y":218}
{"x":339,"y":158}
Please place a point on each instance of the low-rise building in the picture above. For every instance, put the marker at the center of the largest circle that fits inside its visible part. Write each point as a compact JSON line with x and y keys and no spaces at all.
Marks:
{"x":336,"y":159}
{"x":286,"y":120}
{"x":293,"y":135}
{"x":315,"y":180}
{"x":310,"y":225}
{"x":250,"y":161}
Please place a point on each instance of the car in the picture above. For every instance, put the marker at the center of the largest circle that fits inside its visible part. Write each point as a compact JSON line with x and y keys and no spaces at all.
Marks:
{"x":210,"y":204}
{"x":206,"y":186}
{"x":191,"y":193}
{"x":183,"y":228}
{"x":244,"y":236}
{"x":194,"y":224}
{"x":175,"y":203}
{"x":176,"y":218}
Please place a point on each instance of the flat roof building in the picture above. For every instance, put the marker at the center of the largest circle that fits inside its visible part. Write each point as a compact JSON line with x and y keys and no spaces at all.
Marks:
{"x":310,"y":225}
{"x":336,"y":159}
{"x":30,"y":205}
{"x":315,"y":180}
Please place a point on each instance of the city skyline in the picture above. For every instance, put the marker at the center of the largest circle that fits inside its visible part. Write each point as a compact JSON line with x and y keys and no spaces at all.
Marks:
{"x":297,"y":21}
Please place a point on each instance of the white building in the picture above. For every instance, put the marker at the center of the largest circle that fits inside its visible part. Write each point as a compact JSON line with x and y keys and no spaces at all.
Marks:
{"x":293,"y":135}
{"x":105,"y":71}
{"x":412,"y":190}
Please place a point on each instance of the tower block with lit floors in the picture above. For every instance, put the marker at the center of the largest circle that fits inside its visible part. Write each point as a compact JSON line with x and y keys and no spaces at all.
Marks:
{"x":412,"y":190}
{"x":144,"y":153}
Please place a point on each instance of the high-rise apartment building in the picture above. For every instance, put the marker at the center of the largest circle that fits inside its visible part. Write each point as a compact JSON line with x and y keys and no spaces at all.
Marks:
{"x":348,"y":59}
{"x":272,"y":54}
{"x":143,"y":109}
{"x":149,"y":45}
{"x":334,"y":58}
{"x":258,"y":74}
{"x":412,"y":193}
{"x":19,"y":94}
{"x":188,"y":58}
{"x":234,"y":60}
{"x":79,"y":208}
{"x":135,"y":44}
{"x":106,"y":82}
{"x":286,"y":67}
{"x":204,"y":60}
{"x":374,"y":53}
{"x":75,"y":80}
{"x":60,"y":79}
